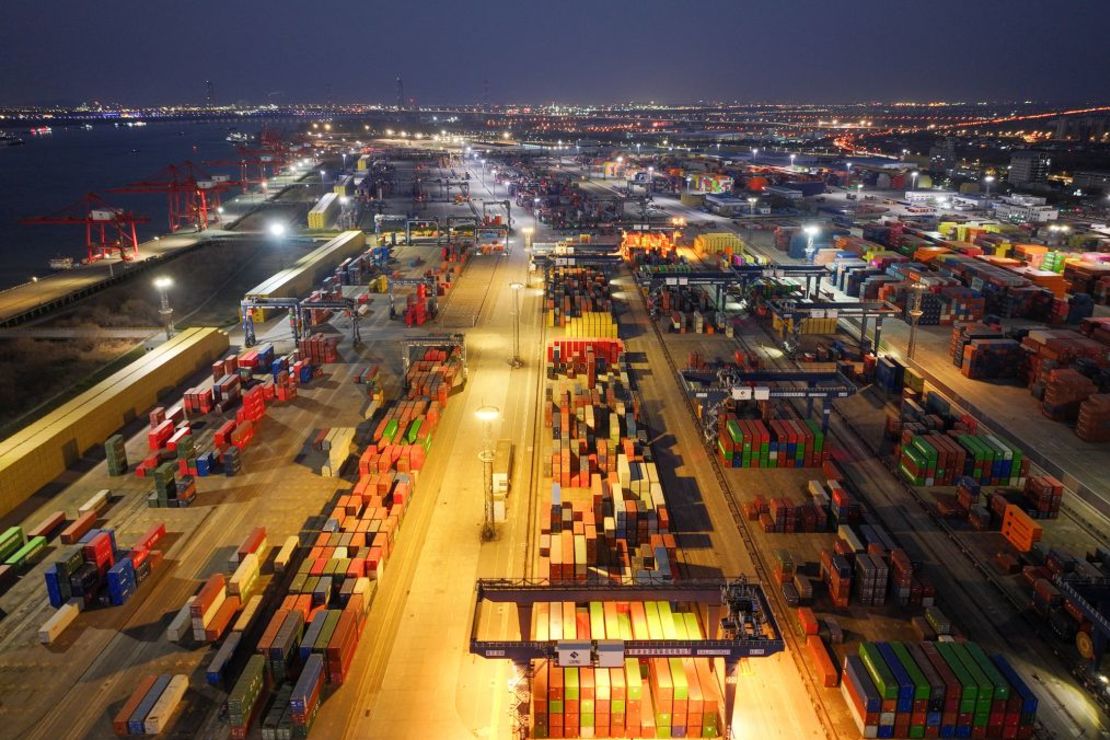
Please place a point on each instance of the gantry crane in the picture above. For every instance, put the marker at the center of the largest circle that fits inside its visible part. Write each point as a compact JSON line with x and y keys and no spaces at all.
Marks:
{"x":192,"y":194}
{"x":107,"y":229}
{"x":180,"y":196}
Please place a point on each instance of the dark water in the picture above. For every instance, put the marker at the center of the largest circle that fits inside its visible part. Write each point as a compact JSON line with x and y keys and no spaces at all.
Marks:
{"x":50,"y":172}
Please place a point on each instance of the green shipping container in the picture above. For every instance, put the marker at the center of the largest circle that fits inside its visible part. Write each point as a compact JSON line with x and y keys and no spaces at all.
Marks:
{"x":878,"y":670}
{"x":390,"y":431}
{"x":734,"y":431}
{"x":986,"y":688}
{"x":12,"y":539}
{"x":986,"y":665}
{"x":921,"y":688}
{"x":969,"y":689}
{"x":26,"y":554}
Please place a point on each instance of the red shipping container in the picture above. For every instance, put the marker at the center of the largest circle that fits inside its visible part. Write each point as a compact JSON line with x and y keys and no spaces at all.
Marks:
{"x":78,"y":527}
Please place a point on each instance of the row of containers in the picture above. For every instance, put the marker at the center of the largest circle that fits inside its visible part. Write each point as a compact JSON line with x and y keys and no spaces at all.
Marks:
{"x":822,"y":506}
{"x":678,"y":697}
{"x":608,"y":520}
{"x":21,"y":548}
{"x":609,"y":523}
{"x":179,"y":449}
{"x":774,"y":443}
{"x":90,"y":571}
{"x":937,"y":445}
{"x":1009,"y":287}
{"x":579,"y":300}
{"x":936,"y":689}
{"x":333,"y":569}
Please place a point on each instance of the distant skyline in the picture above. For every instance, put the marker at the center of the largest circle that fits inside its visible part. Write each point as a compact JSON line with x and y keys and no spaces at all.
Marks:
{"x":576,"y":52}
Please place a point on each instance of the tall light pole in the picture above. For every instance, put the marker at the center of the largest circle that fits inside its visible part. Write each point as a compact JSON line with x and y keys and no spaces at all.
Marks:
{"x":792,"y":156}
{"x":987,"y":181}
{"x":755,"y":153}
{"x":516,"y":287}
{"x":751,"y":205}
{"x":487,"y":415}
{"x":1060,"y":230}
{"x":913,"y":176}
{"x":859,"y":190}
{"x":163,"y":284}
{"x":915,"y":316}
{"x":650,"y":179}
{"x":811,"y":231}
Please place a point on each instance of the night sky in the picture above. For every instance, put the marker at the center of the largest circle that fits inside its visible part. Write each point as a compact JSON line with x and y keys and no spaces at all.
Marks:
{"x":573,"y":51}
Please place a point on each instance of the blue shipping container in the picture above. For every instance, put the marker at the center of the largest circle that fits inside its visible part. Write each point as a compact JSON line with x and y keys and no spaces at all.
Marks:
{"x":311,"y":677}
{"x":135,"y":721}
{"x":1028,"y":698}
{"x":857,"y":674}
{"x":905,"y":686}
{"x":54,"y":587}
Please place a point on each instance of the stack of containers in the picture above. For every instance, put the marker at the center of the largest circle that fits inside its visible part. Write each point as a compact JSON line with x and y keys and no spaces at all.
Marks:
{"x":213,"y":609}
{"x":1045,"y":494}
{"x":304,"y":702}
{"x":1019,"y":529}
{"x":609,"y":522}
{"x":936,"y":689}
{"x":344,"y":550}
{"x":248,"y":696}
{"x":1065,"y":390}
{"x":837,"y":574}
{"x":674,"y":697}
{"x":1093,"y":424}
{"x":941,"y":459}
{"x":116,"y":454}
{"x":778,"y":443}
{"x":992,"y":358}
{"x":570,"y":291}
{"x":872,"y":576}
{"x":95,"y":571}
{"x":319,"y":349}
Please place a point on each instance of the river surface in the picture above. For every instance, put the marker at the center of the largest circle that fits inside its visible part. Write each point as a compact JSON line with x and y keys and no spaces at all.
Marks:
{"x":53,"y":171}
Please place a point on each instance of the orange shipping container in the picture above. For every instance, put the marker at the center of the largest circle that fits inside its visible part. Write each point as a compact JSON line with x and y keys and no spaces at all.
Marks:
{"x":824,"y":664}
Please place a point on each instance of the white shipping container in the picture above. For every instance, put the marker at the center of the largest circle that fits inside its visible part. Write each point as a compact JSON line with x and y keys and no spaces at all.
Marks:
{"x":281,"y":561}
{"x":98,"y":501}
{"x":367,"y":588}
{"x":59,"y":620}
{"x":248,"y":614}
{"x":164,"y":708}
{"x":214,"y":607}
{"x":181,"y":623}
{"x":244,"y":575}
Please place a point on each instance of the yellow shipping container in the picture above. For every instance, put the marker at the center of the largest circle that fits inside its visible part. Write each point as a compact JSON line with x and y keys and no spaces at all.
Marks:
{"x":40,"y":452}
{"x":717,"y":242}
{"x":299,"y":279}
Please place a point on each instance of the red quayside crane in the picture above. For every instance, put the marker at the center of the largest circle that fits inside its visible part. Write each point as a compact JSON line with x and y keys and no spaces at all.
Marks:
{"x":192,"y":194}
{"x":107,"y":229}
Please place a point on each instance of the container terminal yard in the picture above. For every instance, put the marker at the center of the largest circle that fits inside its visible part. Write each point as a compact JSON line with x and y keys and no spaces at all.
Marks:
{"x":492,"y":436}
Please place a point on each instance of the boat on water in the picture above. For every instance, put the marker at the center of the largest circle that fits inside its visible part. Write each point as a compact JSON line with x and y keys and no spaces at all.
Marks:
{"x":41,"y":131}
{"x":62,"y":263}
{"x":238,"y":137}
{"x":7,"y":139}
